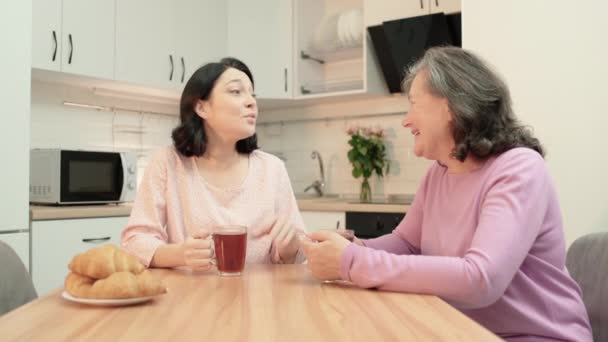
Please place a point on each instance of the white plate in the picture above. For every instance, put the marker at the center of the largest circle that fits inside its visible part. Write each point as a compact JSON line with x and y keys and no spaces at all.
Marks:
{"x":106,"y":302}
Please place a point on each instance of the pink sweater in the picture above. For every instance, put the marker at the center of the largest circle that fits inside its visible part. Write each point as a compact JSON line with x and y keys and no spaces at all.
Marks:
{"x":173,"y":200}
{"x":491,"y":243}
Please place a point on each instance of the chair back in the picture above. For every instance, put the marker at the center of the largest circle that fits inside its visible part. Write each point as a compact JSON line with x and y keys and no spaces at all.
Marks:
{"x":16,"y":286}
{"x":587,"y":262}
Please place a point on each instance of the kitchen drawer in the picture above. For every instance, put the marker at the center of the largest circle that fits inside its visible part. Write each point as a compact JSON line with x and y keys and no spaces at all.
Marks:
{"x":371,"y":225}
{"x":55,"y":242}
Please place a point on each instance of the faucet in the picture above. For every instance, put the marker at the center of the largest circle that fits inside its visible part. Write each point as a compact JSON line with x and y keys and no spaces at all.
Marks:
{"x":318,"y":185}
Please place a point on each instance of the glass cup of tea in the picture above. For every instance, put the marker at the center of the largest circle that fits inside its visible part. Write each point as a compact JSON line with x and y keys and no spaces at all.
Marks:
{"x":348,"y":234}
{"x":230,"y":243}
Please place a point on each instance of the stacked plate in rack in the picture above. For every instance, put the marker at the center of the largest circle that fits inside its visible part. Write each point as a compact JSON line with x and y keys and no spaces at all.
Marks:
{"x":339,"y":31}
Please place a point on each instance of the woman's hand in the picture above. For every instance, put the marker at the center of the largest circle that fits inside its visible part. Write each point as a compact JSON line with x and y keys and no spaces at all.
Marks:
{"x":324,"y":254}
{"x":197,"y":251}
{"x":358,"y":241}
{"x":285,"y":241}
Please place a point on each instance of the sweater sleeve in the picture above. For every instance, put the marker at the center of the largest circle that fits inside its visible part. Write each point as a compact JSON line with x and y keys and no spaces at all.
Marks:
{"x":511,"y":214}
{"x":405,"y":238}
{"x":145,"y":230}
{"x":287,"y":212}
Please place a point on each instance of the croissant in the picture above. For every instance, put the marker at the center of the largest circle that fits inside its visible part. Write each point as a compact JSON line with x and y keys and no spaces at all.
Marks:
{"x":101,"y":262}
{"x":119,"y":285}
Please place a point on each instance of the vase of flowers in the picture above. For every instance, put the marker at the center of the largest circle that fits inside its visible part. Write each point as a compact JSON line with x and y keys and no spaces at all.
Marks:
{"x":367,"y":155}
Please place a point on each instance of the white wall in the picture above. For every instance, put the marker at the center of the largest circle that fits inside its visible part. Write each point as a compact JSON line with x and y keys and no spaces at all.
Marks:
{"x":295,"y":141}
{"x":554,"y":57}
{"x":54,"y":125}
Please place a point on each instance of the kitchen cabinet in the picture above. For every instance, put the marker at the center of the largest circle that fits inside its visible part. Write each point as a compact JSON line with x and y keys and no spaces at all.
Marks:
{"x":333,"y":55}
{"x":378,"y":11}
{"x":74,"y":36}
{"x":15,"y":128}
{"x":316,"y":220}
{"x":160,"y":43}
{"x":143,"y":40}
{"x":260,"y":33}
{"x":55,"y":242}
{"x":200,"y":34}
{"x":445,"y":6}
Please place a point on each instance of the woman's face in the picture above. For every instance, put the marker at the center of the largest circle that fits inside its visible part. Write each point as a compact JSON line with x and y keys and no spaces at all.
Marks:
{"x":230,"y":113}
{"x":429,"y":120}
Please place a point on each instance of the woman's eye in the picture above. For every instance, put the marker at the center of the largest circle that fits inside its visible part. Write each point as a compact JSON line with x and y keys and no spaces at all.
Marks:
{"x":235,"y":91}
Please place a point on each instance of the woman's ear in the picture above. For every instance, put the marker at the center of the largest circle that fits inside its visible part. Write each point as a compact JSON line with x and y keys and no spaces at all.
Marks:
{"x":446,"y":109}
{"x":201,"y":109}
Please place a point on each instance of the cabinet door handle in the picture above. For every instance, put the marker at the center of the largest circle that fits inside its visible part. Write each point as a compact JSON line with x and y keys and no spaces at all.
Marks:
{"x":171,"y":74}
{"x":96,"y":240}
{"x":285,"y":78}
{"x":421,"y":4}
{"x":71,"y":48}
{"x":54,"y":42}
{"x":183,"y":69}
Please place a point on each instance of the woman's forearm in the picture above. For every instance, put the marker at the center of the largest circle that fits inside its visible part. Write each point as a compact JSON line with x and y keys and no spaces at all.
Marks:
{"x":169,"y":255}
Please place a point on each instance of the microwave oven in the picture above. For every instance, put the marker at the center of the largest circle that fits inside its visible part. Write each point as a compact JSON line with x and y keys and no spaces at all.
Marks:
{"x":60,"y":176}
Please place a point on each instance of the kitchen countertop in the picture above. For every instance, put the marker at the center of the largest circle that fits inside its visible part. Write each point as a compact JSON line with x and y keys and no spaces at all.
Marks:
{"x":344,"y":204}
{"x":47,"y":212}
{"x":41,"y":212}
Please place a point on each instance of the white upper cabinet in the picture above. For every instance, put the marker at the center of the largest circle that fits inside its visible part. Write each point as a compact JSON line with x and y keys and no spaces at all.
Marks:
{"x":200,"y":35}
{"x":144,"y":33}
{"x":378,"y":11}
{"x":332,"y":53}
{"x":445,"y":6}
{"x":88,"y":37}
{"x":160,"y":43}
{"x":260,"y":33}
{"x":46,"y":34}
{"x":84,"y":42}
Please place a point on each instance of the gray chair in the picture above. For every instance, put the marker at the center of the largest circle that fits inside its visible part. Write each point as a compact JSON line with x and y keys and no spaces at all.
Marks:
{"x":587,"y":262}
{"x":16,"y":287}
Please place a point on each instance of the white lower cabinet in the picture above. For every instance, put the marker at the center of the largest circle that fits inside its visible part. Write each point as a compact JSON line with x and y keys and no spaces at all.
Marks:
{"x":55,"y":242}
{"x":317,"y":220}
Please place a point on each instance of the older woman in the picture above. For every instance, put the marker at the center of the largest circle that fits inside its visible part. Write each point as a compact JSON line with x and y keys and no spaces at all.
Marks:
{"x":485,"y":231}
{"x":214,"y":175}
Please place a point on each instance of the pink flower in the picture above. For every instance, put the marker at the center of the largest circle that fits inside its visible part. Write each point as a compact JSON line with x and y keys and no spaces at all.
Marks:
{"x":377,"y":131}
{"x":366,"y":131}
{"x":352,"y":130}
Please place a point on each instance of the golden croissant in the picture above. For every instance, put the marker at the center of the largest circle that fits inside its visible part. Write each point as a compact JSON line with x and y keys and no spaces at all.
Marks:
{"x":119,"y":285}
{"x":101,"y":262}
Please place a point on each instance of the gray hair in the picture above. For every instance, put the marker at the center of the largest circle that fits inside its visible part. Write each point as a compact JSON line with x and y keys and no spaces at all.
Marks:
{"x":483,"y":122}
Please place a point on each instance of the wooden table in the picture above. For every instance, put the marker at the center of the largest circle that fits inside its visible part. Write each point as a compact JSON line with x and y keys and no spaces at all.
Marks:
{"x":267,"y":303}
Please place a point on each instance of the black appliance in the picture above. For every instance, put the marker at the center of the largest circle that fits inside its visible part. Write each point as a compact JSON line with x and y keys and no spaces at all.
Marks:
{"x":371,"y":225}
{"x":399,"y":43}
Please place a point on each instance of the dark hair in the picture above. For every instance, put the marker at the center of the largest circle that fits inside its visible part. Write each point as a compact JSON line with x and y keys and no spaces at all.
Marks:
{"x":483,"y":122}
{"x":189,"y":136}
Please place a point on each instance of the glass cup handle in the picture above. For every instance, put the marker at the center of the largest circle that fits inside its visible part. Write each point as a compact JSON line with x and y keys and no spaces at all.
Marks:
{"x":213,"y":258}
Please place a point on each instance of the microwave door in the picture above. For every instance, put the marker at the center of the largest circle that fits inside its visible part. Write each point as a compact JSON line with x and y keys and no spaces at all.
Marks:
{"x":90,"y":177}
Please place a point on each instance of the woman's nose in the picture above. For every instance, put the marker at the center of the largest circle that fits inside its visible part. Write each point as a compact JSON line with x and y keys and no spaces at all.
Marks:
{"x":251,"y":101}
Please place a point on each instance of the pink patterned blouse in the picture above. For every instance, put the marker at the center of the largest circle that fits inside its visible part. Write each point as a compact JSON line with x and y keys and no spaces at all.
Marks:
{"x":173,"y":200}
